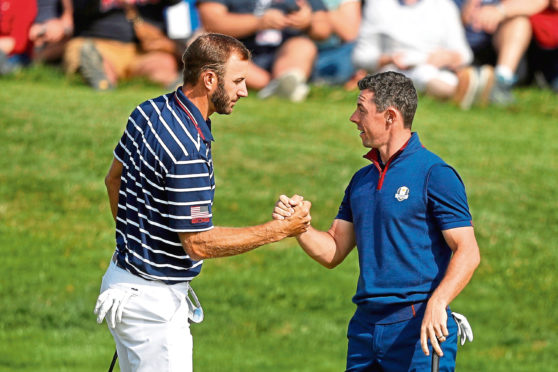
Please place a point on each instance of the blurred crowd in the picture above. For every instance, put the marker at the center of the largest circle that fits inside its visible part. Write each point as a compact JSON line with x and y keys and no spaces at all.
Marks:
{"x":471,"y":52}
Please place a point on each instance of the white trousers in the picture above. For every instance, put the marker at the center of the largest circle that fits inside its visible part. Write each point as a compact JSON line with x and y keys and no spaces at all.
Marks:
{"x":154,"y":334}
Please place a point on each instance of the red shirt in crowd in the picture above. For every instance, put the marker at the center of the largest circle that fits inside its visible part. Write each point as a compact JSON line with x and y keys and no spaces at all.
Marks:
{"x":16,"y":17}
{"x":545,"y":28}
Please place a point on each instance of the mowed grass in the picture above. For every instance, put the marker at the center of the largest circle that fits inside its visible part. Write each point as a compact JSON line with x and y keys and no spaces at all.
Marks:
{"x":273,"y":309}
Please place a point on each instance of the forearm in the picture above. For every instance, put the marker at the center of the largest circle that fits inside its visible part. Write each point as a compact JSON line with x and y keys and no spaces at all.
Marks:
{"x":459,"y":273}
{"x":112,"y":183}
{"x":113,"y":188}
{"x":329,"y":248}
{"x":231,"y":241}
{"x":320,"y":246}
{"x":67,"y":12}
{"x":67,"y":6}
{"x":236,"y":25}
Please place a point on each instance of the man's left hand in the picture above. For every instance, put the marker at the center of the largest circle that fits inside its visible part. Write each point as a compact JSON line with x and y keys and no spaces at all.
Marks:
{"x":434,"y":327}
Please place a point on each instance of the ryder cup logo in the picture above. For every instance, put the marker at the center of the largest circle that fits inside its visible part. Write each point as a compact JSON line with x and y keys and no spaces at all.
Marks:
{"x":402,"y":193}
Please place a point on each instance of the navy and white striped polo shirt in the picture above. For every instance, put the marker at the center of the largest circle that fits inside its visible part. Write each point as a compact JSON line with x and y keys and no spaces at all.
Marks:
{"x":167,"y":186}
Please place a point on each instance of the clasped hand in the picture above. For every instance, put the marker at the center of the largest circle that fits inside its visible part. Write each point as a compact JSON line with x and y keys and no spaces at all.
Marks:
{"x":293,"y":210}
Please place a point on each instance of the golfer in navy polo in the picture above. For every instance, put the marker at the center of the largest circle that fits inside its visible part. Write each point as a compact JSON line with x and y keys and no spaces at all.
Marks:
{"x":161,"y":186}
{"x":408,"y":216}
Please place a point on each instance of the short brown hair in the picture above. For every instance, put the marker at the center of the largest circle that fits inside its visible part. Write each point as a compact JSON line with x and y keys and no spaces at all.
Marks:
{"x":210,"y":52}
{"x":392,"y":89}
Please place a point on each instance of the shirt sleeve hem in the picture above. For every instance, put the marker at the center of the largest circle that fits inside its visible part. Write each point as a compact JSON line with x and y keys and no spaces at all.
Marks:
{"x":184,"y":229}
{"x":340,"y":217}
{"x":456,"y":224}
{"x":117,"y":157}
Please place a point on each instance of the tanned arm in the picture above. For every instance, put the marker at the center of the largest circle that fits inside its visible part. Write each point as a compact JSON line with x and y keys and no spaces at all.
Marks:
{"x":465,"y":259}
{"x":215,"y":17}
{"x":230,"y":241}
{"x":328,"y":248}
{"x":112,"y":182}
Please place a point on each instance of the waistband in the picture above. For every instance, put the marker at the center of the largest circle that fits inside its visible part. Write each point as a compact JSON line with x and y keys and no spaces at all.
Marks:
{"x":393,"y":315}
{"x":120,"y":275}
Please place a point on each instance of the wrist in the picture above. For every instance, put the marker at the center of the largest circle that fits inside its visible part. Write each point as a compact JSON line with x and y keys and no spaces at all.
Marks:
{"x":438,"y":300}
{"x":278,"y":229}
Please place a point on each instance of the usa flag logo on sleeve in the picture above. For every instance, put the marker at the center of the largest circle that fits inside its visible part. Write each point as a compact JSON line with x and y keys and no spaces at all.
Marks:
{"x":199,"y":213}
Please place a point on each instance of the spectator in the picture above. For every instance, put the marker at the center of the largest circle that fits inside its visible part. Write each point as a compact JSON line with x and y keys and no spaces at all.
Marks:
{"x":545,"y":46}
{"x":117,"y":39}
{"x":278,"y":33}
{"x":424,"y":40}
{"x":16,"y":17}
{"x":333,"y":65}
{"x":52,"y":29}
{"x":499,"y":33}
{"x":183,"y":22}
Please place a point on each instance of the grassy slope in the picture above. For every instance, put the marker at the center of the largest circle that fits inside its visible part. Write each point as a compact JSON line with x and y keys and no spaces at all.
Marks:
{"x":273,"y":308}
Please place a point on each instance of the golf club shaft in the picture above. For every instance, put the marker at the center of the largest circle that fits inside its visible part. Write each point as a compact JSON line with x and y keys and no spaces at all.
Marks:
{"x":114,"y":357}
{"x":435,"y":362}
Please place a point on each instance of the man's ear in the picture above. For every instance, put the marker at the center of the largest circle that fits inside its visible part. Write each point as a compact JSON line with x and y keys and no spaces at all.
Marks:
{"x":210,"y":80}
{"x":390,"y":115}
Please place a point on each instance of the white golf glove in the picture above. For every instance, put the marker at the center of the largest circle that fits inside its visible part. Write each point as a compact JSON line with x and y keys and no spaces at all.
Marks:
{"x":110,"y":304}
{"x":464,"y":330}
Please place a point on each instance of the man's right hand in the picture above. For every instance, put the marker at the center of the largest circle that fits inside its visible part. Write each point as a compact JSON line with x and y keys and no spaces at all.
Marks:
{"x":285,"y":206}
{"x":294,"y":212}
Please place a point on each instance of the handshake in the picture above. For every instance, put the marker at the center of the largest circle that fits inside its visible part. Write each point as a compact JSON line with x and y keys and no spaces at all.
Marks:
{"x":294,"y":214}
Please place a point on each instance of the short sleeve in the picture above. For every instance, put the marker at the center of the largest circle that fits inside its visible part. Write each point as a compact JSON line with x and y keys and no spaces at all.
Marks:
{"x":447,"y":199}
{"x":120,"y":149}
{"x":190,"y":190}
{"x":345,"y":211}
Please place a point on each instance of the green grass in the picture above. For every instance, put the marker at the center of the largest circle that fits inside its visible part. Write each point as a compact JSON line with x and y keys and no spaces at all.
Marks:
{"x":273,"y":309}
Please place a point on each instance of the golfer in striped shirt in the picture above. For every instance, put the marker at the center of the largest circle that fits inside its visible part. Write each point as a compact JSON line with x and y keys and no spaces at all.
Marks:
{"x":161,"y":187}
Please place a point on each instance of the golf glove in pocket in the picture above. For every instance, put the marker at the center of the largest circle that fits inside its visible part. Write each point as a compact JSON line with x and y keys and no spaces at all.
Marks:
{"x":110,"y":304}
{"x":464,"y":330}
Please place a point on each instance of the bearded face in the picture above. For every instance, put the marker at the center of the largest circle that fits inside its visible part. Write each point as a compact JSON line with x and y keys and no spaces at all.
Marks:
{"x":221,"y":100}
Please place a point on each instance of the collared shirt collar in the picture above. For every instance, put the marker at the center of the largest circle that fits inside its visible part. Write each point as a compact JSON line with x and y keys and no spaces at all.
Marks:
{"x":410,"y":146}
{"x":202,"y":126}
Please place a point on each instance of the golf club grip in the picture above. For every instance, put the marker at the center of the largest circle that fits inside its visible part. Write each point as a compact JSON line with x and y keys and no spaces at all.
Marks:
{"x":435,"y":362}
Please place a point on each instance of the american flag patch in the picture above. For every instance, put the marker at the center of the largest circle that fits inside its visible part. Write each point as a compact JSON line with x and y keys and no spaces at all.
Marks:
{"x":199,"y":213}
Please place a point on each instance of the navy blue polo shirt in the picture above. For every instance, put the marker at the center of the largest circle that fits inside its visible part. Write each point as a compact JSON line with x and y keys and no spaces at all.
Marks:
{"x":167,"y":186}
{"x":399,"y":211}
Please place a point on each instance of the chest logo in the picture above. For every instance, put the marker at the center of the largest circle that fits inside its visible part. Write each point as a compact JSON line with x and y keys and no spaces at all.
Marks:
{"x":402,"y":193}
